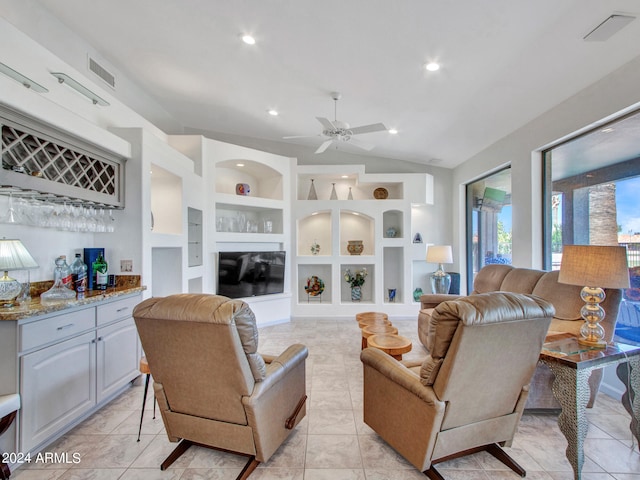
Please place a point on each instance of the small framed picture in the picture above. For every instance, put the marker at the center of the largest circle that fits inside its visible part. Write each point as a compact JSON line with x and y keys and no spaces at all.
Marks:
{"x":417,"y":238}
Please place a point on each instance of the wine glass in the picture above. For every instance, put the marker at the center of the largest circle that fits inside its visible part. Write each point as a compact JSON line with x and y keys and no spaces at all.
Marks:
{"x":11,"y":215}
{"x":111,"y":222}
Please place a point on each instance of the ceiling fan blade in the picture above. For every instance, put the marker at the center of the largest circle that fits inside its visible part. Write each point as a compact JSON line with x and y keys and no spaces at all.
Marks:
{"x":324,"y":146}
{"x":374,"y":127}
{"x":360,"y":144}
{"x":301,"y":136}
{"x":326,"y":123}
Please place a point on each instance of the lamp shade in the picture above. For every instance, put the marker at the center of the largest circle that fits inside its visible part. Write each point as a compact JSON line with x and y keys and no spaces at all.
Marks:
{"x":439,"y":254}
{"x":14,"y":256}
{"x":594,"y":266}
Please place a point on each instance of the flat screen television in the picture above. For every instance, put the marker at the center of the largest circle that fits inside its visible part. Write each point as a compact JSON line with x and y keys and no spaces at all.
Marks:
{"x":249,"y":274}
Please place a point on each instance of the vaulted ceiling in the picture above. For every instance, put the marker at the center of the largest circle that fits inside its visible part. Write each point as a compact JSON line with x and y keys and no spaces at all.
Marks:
{"x":502,"y":64}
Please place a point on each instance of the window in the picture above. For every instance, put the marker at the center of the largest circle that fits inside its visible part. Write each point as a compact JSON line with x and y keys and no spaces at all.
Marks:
{"x":488,"y":222}
{"x":591,"y":198}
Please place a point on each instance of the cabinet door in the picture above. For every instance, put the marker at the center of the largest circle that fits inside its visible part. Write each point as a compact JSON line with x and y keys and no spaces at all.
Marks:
{"x":58,"y":386}
{"x":118,"y":357}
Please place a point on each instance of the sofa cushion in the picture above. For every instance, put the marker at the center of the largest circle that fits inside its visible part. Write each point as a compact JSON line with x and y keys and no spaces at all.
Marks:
{"x":521,"y":280}
{"x":490,"y":277}
{"x":565,"y":298}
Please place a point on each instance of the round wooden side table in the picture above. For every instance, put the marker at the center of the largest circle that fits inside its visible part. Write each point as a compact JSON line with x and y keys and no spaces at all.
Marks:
{"x":373,"y":321}
{"x":376,"y":329}
{"x":394,"y":345}
{"x":371,"y":315}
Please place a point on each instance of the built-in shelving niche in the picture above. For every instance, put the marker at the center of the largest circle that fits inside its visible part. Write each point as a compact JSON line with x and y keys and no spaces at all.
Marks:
{"x":315,"y":230}
{"x":166,"y":201}
{"x":356,"y":226}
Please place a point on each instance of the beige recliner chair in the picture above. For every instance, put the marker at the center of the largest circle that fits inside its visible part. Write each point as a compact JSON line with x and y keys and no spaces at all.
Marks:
{"x":470,"y":392}
{"x":212,"y":387}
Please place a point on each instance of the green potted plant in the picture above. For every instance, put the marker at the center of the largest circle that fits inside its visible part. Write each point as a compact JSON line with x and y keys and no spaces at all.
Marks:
{"x":355,"y":281}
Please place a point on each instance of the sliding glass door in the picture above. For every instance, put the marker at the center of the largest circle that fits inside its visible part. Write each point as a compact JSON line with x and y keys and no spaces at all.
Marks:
{"x":488,"y":222}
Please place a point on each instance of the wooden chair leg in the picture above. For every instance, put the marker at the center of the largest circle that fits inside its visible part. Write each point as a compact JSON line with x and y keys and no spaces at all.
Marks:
{"x":5,"y":423}
{"x":501,"y":455}
{"x":493,"y":449}
{"x":248,"y":468}
{"x":433,"y":474}
{"x":5,"y":473}
{"x":182,"y":447}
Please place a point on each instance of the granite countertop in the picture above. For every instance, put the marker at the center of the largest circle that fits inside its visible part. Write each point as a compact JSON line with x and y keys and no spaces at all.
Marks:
{"x":35,"y":308}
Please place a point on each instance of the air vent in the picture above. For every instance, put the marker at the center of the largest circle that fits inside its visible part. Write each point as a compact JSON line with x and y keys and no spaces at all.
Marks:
{"x":102,"y":72}
{"x":605,"y":30}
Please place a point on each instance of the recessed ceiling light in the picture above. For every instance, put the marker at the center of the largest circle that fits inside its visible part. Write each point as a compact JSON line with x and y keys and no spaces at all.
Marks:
{"x":239,"y":164}
{"x":248,"y":39}
{"x":393,"y":131}
{"x":432,"y":66}
{"x":273,"y":112}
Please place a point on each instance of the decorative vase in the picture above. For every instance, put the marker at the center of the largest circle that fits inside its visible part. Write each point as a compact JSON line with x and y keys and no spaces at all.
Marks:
{"x":355,"y":247}
{"x":312,"y":192}
{"x":243,"y":189}
{"x":392,"y":295}
{"x":315,"y":248}
{"x":417,"y":293}
{"x":334,"y":195}
{"x":350,"y":196}
{"x":356,"y":294}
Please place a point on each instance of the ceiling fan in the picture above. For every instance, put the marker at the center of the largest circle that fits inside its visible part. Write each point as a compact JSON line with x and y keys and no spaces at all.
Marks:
{"x":339,"y":131}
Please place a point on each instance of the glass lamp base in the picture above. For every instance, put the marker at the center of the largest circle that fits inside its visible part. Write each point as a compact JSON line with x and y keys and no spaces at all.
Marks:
{"x":9,"y":290}
{"x":440,"y":281}
{"x":592,"y":333}
{"x":592,"y":343}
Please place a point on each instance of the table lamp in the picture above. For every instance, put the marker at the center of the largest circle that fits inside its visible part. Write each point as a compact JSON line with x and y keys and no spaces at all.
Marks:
{"x":440,"y":254}
{"x":594,"y":267}
{"x":13,"y":256}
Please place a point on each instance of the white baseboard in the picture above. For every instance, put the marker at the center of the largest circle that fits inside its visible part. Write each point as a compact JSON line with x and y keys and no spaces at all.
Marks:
{"x":611,"y":384}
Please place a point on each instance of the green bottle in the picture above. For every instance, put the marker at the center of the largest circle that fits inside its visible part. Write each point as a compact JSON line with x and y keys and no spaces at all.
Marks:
{"x":100,"y":269}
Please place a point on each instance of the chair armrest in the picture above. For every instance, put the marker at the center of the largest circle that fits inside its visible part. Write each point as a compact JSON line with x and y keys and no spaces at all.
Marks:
{"x":277,"y":368}
{"x":277,"y":403}
{"x":432,"y":300}
{"x":399,"y":374}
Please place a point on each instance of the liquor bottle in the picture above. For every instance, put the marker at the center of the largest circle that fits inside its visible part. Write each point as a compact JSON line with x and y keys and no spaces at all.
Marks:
{"x":100,"y":268}
{"x":79,"y":275}
{"x":67,"y":280}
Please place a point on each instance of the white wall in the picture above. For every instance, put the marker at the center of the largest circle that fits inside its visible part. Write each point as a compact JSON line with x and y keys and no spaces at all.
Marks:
{"x":613,"y":95}
{"x":35,"y":21}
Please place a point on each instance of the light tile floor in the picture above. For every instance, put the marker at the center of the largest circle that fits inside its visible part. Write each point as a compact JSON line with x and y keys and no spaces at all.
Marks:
{"x":332,"y":442}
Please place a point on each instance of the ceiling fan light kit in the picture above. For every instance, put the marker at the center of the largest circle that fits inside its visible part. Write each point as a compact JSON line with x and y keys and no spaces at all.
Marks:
{"x":339,"y":131}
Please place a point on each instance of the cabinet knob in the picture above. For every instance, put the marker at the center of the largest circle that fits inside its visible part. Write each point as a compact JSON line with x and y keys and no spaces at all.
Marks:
{"x":99,"y":339}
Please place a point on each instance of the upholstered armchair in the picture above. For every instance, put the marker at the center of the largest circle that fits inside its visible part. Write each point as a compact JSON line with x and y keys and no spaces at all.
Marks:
{"x":470,"y":392}
{"x":9,"y":406}
{"x":213,"y":388}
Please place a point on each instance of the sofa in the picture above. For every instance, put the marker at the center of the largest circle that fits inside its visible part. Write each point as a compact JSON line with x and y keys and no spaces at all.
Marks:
{"x":566,"y":301}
